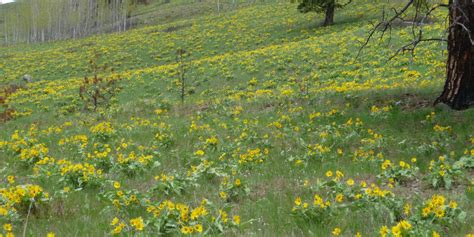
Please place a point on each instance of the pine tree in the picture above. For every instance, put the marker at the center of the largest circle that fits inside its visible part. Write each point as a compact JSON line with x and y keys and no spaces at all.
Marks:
{"x":328,"y":7}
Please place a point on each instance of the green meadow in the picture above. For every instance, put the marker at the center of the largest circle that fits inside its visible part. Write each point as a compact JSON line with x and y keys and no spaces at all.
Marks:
{"x":268,"y":126}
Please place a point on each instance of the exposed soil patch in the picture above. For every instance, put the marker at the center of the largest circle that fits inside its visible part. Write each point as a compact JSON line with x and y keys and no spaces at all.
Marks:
{"x":410,"y":102}
{"x":275,"y":185}
{"x":81,"y":47}
{"x":418,"y":21}
{"x":188,"y":110}
{"x":7,"y":111}
{"x":176,"y":28}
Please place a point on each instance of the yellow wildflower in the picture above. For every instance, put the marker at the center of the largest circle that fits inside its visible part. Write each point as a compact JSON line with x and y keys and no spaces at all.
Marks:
{"x":116,"y":185}
{"x":336,"y":231}
{"x":236,"y":220}
{"x":137,"y":223}
{"x":298,"y":201}
{"x":198,"y":228}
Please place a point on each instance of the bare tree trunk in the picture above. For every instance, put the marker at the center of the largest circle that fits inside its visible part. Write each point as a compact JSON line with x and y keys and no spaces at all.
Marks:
{"x":5,"y":25}
{"x":458,"y":90}
{"x":44,"y":20}
{"x":329,"y":18}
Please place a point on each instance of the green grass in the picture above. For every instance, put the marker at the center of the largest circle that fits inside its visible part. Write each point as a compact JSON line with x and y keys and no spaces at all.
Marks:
{"x":257,"y":58}
{"x":158,"y":12}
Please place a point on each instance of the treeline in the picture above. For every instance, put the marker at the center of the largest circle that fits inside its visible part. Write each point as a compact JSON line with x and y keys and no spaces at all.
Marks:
{"x":30,"y":21}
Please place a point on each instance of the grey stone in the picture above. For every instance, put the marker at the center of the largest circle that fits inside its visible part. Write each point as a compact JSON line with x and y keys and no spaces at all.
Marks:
{"x":27,"y":78}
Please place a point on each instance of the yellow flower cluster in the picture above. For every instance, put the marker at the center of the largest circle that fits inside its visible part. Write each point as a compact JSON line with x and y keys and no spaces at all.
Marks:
{"x":191,"y":229}
{"x":319,"y":202}
{"x":79,"y":174}
{"x":34,"y":153}
{"x":376,"y":110}
{"x":104,"y":129}
{"x":398,"y":230}
{"x":20,"y":197}
{"x":118,"y":226}
{"x":437,"y":206}
{"x":212,"y":141}
{"x":137,"y":223}
{"x":376,"y":191}
{"x":80,"y":140}
{"x":85,"y":169}
{"x":17,"y":194}
{"x":26,"y":145}
{"x":439,"y":128}
{"x":253,"y":155}
{"x":440,"y":165}
{"x":132,"y":157}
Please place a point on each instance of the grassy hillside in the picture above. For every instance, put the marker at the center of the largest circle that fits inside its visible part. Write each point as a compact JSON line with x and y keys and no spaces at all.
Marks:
{"x":281,"y":132}
{"x":155,"y":12}
{"x":159,"y":12}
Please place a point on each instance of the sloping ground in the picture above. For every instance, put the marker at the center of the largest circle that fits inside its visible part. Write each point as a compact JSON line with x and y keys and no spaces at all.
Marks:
{"x":160,"y":12}
{"x":156,"y":45}
{"x":281,"y":131}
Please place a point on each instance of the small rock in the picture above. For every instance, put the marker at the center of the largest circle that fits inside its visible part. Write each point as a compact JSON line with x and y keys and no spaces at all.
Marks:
{"x":27,"y":78}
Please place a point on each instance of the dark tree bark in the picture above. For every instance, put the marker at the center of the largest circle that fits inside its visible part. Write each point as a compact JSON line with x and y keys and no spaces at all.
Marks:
{"x":458,"y":90}
{"x":329,"y":18}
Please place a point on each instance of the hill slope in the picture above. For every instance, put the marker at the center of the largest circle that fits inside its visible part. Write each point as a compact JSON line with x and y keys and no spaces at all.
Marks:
{"x":281,"y":131}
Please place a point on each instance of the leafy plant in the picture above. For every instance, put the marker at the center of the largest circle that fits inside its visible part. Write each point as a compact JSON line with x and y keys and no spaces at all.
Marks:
{"x":170,"y":184}
{"x":442,"y":174}
{"x":401,"y":173}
